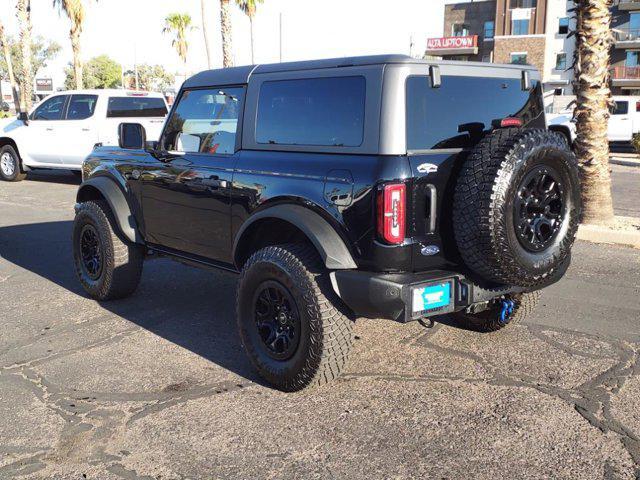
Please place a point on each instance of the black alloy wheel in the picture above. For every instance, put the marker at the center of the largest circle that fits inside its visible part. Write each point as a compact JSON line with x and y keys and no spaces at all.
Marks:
{"x":91,"y":252}
{"x":539,"y":208}
{"x":277,"y":320}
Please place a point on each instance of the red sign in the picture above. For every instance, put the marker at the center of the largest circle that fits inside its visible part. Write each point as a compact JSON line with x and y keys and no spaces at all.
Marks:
{"x":450,"y":43}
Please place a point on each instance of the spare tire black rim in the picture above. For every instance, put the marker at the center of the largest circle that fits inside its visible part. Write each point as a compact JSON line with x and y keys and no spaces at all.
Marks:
{"x":539,"y":208}
{"x":277,"y":320}
{"x":91,"y":252}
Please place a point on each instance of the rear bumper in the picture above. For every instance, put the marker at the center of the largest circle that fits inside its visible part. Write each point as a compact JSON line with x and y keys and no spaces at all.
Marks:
{"x":375,"y":295}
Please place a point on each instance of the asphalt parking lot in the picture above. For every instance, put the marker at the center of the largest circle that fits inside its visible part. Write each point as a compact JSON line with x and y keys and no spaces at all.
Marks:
{"x":157,"y":387}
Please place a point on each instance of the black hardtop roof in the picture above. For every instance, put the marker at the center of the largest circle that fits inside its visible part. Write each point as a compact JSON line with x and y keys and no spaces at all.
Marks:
{"x":240,"y":75}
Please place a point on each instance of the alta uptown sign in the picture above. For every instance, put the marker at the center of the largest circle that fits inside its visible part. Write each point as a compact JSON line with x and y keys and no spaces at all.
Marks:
{"x":452,"y":43}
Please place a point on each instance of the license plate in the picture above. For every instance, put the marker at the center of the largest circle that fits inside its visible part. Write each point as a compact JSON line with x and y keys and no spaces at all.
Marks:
{"x":431,"y":298}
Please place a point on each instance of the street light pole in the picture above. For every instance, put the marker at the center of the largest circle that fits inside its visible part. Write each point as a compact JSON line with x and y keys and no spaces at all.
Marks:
{"x":280,"y":25}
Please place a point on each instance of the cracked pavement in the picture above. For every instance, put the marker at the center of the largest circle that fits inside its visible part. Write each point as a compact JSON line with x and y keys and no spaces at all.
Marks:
{"x":157,"y":386}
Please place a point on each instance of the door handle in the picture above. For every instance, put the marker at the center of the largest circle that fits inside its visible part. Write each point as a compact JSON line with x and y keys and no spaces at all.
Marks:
{"x":49,"y":129}
{"x":86,"y":129}
{"x":214,"y":182}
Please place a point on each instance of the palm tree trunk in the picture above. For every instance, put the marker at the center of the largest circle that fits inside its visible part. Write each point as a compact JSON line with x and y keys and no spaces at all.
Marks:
{"x":593,"y":44}
{"x":7,"y":58}
{"x":204,"y":32}
{"x":26,"y":73}
{"x":251,"y":32}
{"x":225,"y":28}
{"x":77,"y":62}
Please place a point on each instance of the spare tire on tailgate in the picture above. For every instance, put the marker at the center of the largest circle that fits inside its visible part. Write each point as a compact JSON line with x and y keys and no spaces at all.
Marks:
{"x":517,"y":206}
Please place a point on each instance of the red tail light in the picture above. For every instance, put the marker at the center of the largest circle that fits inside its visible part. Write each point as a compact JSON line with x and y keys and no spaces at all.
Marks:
{"x":510,"y":122}
{"x":391,"y":207}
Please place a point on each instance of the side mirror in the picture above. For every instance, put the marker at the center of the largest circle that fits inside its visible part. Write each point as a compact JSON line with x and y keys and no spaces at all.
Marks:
{"x":24,"y":116}
{"x":131,"y":136}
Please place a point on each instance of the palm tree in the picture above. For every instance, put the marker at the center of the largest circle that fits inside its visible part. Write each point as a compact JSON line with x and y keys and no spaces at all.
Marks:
{"x":227,"y":37}
{"x":75,"y":11}
{"x":204,"y":32}
{"x":7,"y":57}
{"x":26,"y":75}
{"x":179,"y":24}
{"x":249,"y":8}
{"x":591,"y":69}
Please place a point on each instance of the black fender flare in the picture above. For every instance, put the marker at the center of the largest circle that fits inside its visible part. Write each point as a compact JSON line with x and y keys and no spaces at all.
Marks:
{"x":118,"y":204}
{"x":323,"y":236}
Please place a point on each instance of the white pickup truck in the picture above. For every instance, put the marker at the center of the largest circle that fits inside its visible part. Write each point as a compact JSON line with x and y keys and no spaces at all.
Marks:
{"x":624,"y":120}
{"x":63,"y":129}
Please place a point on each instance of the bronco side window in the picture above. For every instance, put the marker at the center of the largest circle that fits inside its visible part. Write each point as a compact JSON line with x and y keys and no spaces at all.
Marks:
{"x":313,"y":111}
{"x":205,"y":121}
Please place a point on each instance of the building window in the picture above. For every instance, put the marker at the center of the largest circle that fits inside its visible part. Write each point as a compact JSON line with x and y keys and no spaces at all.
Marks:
{"x":563,"y":26}
{"x":632,"y":59}
{"x":520,"y":27}
{"x":459,"y":30}
{"x":558,"y":91}
{"x":523,"y":3}
{"x":489,"y":29}
{"x":519,"y":58}
{"x":561,"y":61}
{"x":486,"y":58}
{"x":634,"y":26}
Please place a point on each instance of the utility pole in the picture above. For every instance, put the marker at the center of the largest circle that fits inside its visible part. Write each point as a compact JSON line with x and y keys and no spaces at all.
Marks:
{"x":280,"y":37}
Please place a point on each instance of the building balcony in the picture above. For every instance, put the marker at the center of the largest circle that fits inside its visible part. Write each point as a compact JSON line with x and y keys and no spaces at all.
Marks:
{"x":628,"y":4}
{"x":625,"y":77}
{"x":462,"y":45}
{"x":626,"y":37}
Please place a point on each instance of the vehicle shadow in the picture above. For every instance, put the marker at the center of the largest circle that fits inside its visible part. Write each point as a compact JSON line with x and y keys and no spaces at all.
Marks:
{"x":189,"y":307}
{"x":54,"y":176}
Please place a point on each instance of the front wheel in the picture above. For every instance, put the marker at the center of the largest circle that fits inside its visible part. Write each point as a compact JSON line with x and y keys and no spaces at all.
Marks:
{"x":292,"y":325}
{"x":107,"y":267}
{"x":10,"y":169}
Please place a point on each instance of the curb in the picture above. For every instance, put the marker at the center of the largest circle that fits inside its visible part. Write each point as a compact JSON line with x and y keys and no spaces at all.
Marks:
{"x":598,"y":234}
{"x":627,"y":162}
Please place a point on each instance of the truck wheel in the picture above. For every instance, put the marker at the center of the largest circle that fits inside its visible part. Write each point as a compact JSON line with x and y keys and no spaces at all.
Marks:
{"x":491,"y":320}
{"x":291,"y":323}
{"x":107,"y":267}
{"x":517,"y":206}
{"x":10,"y":168}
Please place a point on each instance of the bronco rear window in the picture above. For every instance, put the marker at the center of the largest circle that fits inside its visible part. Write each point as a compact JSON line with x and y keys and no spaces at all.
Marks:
{"x":313,"y":111}
{"x":457,"y":113}
{"x":120,"y":107}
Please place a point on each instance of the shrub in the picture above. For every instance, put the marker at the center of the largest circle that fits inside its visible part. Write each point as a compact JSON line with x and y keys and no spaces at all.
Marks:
{"x":635,"y":141}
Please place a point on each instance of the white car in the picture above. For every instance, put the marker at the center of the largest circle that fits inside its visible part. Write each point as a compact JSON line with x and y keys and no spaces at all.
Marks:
{"x":63,"y":129}
{"x":624,"y":120}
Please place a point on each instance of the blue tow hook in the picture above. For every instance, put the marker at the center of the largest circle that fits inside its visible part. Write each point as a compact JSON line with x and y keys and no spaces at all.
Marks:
{"x":506,"y":310}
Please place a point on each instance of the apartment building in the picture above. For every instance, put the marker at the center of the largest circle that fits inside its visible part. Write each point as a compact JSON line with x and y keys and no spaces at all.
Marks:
{"x":531,"y":32}
{"x":625,"y":54}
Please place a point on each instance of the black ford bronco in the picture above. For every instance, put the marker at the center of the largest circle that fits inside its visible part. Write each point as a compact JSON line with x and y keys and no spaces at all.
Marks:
{"x":378,"y":187}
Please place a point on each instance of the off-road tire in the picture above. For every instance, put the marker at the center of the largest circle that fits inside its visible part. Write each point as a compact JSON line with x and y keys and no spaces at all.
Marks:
{"x":489,"y":320}
{"x":8,"y":152}
{"x":484,"y":205}
{"x":121,"y":261}
{"x":326,"y":330}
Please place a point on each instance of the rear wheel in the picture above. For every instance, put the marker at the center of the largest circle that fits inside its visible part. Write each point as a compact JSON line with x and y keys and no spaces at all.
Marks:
{"x":293,"y":327}
{"x":500,"y":313}
{"x":10,"y":167}
{"x":107,"y":267}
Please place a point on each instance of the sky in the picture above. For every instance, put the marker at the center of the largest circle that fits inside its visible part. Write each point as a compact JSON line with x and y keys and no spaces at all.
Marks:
{"x":131,"y":30}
